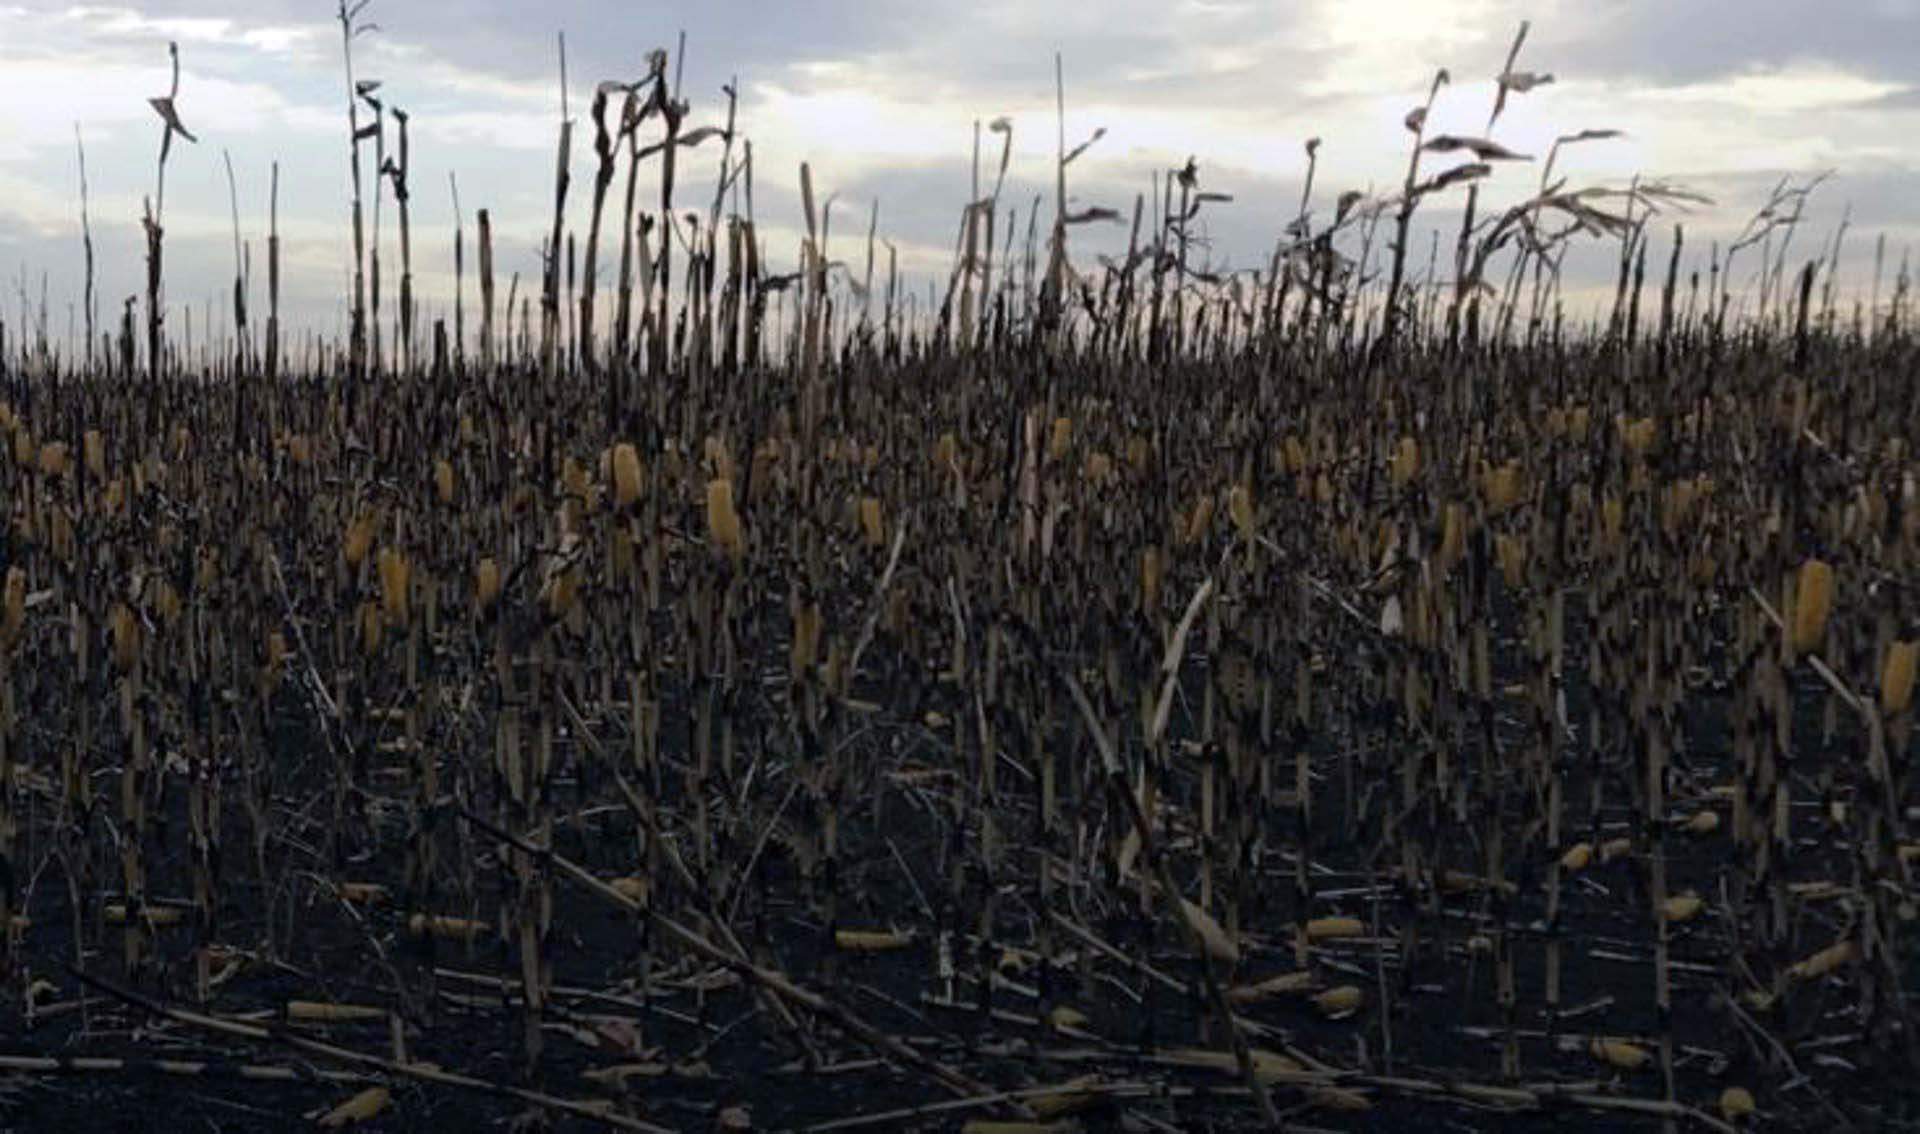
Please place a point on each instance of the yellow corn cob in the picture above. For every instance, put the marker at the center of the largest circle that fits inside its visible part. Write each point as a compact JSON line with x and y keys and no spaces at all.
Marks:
{"x":53,"y":459}
{"x":1294,"y":454}
{"x":486,"y":582}
{"x":1823,"y":962}
{"x":1812,"y":603}
{"x":358,"y":540}
{"x":1512,"y":550}
{"x":1330,"y":928}
{"x":126,"y":636}
{"x":626,"y":474}
{"x":369,"y":628}
{"x":1406,"y":462}
{"x":1342,"y":1000}
{"x":1896,"y":678}
{"x":1736,"y":1103}
{"x":395,"y":574}
{"x":1619,"y":1053}
{"x":723,"y":523}
{"x":1139,"y":453}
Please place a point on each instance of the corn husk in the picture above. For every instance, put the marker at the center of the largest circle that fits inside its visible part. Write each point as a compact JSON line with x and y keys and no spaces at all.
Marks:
{"x":1139,"y":454}
{"x":1061,"y":439}
{"x":1704,"y":822}
{"x":486,"y":583}
{"x":1406,"y":462}
{"x":1333,"y":928}
{"x":946,"y":451}
{"x":1150,"y":571}
{"x":1615,"y":848}
{"x":1512,"y":551}
{"x":871,"y":522}
{"x":166,"y":601}
{"x":1285,"y":984}
{"x":1736,"y":1103}
{"x":1896,"y":677}
{"x":395,"y":575}
{"x":25,"y":452}
{"x":1577,"y":858}
{"x":723,"y":523}
{"x":1268,"y":1066}
{"x":1637,"y":435}
{"x":1340,"y":1001}
{"x":1619,"y":1053}
{"x":53,"y":459}
{"x":363,"y":1107}
{"x":1502,"y":487}
{"x":1681,"y":907}
{"x":358,"y":540}
{"x":1293,"y":455}
{"x":625,"y":463}
{"x":443,"y":480}
{"x":1812,"y":604}
{"x":126,"y":637}
{"x":93,"y":449}
{"x":1825,"y":961}
{"x":1099,"y":467}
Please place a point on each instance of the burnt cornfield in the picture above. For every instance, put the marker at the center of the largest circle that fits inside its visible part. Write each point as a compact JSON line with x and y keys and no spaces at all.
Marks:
{"x":1111,"y":697}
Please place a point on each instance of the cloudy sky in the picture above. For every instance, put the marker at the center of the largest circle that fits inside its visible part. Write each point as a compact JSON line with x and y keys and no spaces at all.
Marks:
{"x":1725,"y":96}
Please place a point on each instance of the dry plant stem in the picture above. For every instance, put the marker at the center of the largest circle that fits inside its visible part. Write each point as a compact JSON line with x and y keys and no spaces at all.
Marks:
{"x":1116,"y":780}
{"x":596,"y":1112}
{"x":770,"y":979}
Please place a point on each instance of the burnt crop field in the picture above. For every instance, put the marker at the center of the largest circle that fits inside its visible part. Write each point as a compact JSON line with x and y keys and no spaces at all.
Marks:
{"x":1095,"y":693}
